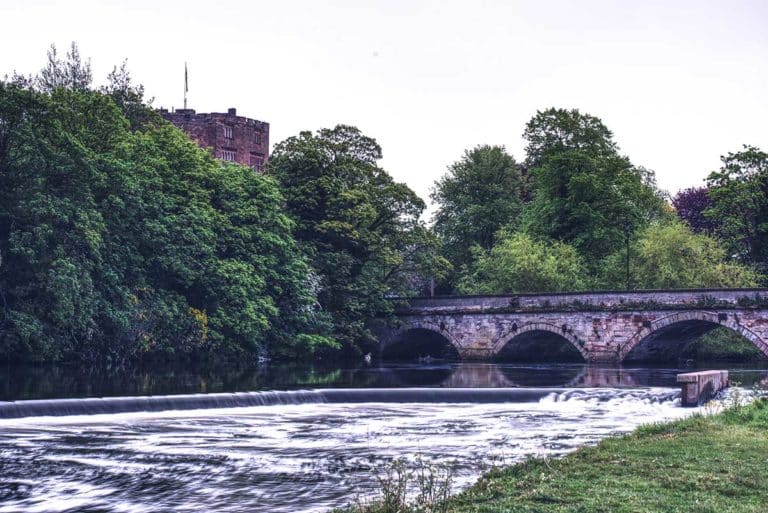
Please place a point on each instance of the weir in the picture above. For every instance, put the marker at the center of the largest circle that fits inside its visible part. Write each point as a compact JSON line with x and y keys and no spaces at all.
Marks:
{"x":96,"y":406}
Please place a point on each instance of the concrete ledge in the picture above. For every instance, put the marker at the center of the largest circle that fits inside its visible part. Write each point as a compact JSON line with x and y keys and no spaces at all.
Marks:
{"x":699,"y":387}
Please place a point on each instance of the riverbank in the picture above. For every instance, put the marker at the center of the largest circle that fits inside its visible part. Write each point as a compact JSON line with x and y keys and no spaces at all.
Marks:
{"x":714,"y":463}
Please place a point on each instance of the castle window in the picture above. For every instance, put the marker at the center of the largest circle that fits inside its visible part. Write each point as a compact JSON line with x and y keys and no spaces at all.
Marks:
{"x":257,"y":162}
{"x":257,"y":138}
{"x":227,"y":132}
{"x":228,"y":155}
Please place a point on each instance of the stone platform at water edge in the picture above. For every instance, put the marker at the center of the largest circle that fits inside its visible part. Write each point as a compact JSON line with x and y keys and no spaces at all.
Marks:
{"x":699,"y":387}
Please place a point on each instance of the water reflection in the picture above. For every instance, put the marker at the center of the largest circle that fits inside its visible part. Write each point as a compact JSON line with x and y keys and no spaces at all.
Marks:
{"x":40,"y":382}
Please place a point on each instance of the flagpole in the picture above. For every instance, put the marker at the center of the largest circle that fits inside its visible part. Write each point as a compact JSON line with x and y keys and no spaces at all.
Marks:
{"x":186,"y":85}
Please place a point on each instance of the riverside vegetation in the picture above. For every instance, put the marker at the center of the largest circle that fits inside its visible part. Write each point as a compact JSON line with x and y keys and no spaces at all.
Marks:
{"x":704,"y":463}
{"x":122,"y":241}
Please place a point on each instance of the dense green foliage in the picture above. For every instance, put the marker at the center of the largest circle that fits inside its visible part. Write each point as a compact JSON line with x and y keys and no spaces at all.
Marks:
{"x":521,"y":264}
{"x":564,"y":222}
{"x":121,"y":239}
{"x":121,"y":243}
{"x":360,"y":228}
{"x":554,"y":131}
{"x":670,"y":256}
{"x":739,"y":195}
{"x":723,"y":344}
{"x":480,"y":194}
{"x":585,"y":193}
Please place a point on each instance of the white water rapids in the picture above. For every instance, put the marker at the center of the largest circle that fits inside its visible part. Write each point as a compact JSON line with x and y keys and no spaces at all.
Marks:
{"x":296,"y":458}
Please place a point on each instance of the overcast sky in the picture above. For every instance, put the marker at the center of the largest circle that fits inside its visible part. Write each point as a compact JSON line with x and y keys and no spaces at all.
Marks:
{"x":679,"y":82}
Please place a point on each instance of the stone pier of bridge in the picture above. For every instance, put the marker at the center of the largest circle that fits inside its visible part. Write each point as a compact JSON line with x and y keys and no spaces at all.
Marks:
{"x":610,"y":327}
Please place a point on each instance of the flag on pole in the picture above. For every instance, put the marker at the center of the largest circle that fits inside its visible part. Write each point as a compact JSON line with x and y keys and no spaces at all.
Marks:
{"x":186,"y":79}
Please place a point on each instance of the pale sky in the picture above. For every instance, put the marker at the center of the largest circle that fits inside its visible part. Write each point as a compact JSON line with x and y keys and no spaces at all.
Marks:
{"x":679,"y":82}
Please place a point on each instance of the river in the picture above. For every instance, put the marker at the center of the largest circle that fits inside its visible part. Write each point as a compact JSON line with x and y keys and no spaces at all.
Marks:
{"x":292,"y":439}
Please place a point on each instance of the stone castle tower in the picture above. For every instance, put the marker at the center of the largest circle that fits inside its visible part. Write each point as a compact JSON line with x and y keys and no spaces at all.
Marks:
{"x":228,"y":136}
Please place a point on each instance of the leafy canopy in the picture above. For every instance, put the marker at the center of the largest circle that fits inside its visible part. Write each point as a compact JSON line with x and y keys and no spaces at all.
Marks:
{"x":670,"y":256}
{"x":554,"y":131}
{"x":481,"y":193}
{"x":360,"y":228}
{"x":739,"y":194}
{"x":585,"y":193}
{"x":690,"y":205}
{"x":519,"y":264}
{"x":121,"y":239}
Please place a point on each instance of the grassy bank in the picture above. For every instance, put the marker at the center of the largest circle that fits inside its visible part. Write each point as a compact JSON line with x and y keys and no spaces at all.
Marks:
{"x":716,"y":463}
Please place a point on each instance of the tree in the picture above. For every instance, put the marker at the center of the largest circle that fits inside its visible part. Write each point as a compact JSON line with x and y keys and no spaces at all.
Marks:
{"x":585,"y":193}
{"x":739,"y":193}
{"x":360,"y":228}
{"x":518,"y":264}
{"x":554,"y":131}
{"x":129,"y":96}
{"x":670,"y":256}
{"x":690,"y":205}
{"x":588,"y":202}
{"x":70,"y":73}
{"x":480,"y":194}
{"x":122,"y":244}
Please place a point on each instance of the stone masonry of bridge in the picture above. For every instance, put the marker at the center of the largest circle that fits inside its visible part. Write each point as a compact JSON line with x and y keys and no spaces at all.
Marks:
{"x":602,"y":327}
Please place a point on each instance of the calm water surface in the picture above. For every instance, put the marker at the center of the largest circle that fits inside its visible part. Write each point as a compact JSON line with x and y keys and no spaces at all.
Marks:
{"x":312,"y":454}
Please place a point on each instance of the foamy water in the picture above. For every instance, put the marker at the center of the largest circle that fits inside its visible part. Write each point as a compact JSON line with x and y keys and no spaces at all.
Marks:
{"x":291,"y":457}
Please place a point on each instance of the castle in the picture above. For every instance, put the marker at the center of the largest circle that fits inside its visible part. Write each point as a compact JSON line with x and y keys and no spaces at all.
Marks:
{"x":229,"y":136}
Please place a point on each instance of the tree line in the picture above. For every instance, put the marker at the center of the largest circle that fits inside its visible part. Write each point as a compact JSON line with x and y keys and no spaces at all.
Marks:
{"x":122,"y":240}
{"x":576,"y":214}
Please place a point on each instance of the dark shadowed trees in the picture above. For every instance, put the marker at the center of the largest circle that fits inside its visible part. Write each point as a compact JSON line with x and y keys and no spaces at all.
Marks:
{"x":690,"y":205}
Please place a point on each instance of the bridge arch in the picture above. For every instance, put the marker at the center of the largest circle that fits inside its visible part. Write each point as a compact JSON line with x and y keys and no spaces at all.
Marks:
{"x":686,"y":326}
{"x":533,"y":328}
{"x":428,"y":335}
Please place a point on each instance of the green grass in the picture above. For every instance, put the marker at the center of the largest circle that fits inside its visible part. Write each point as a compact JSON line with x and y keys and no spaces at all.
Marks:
{"x":702,"y":464}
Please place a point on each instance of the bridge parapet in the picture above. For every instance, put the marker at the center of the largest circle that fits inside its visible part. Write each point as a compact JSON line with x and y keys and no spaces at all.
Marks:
{"x":591,"y":301}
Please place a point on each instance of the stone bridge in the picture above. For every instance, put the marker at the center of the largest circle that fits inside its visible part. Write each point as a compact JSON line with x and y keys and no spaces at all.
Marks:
{"x":610,"y":327}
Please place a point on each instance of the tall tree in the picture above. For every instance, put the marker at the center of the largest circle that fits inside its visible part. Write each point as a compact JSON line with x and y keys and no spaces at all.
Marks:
{"x":70,"y":73}
{"x":739,"y":193}
{"x":554,"y":131}
{"x":129,"y":96}
{"x":360,"y":227}
{"x":585,"y":192}
{"x":481,"y":193}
